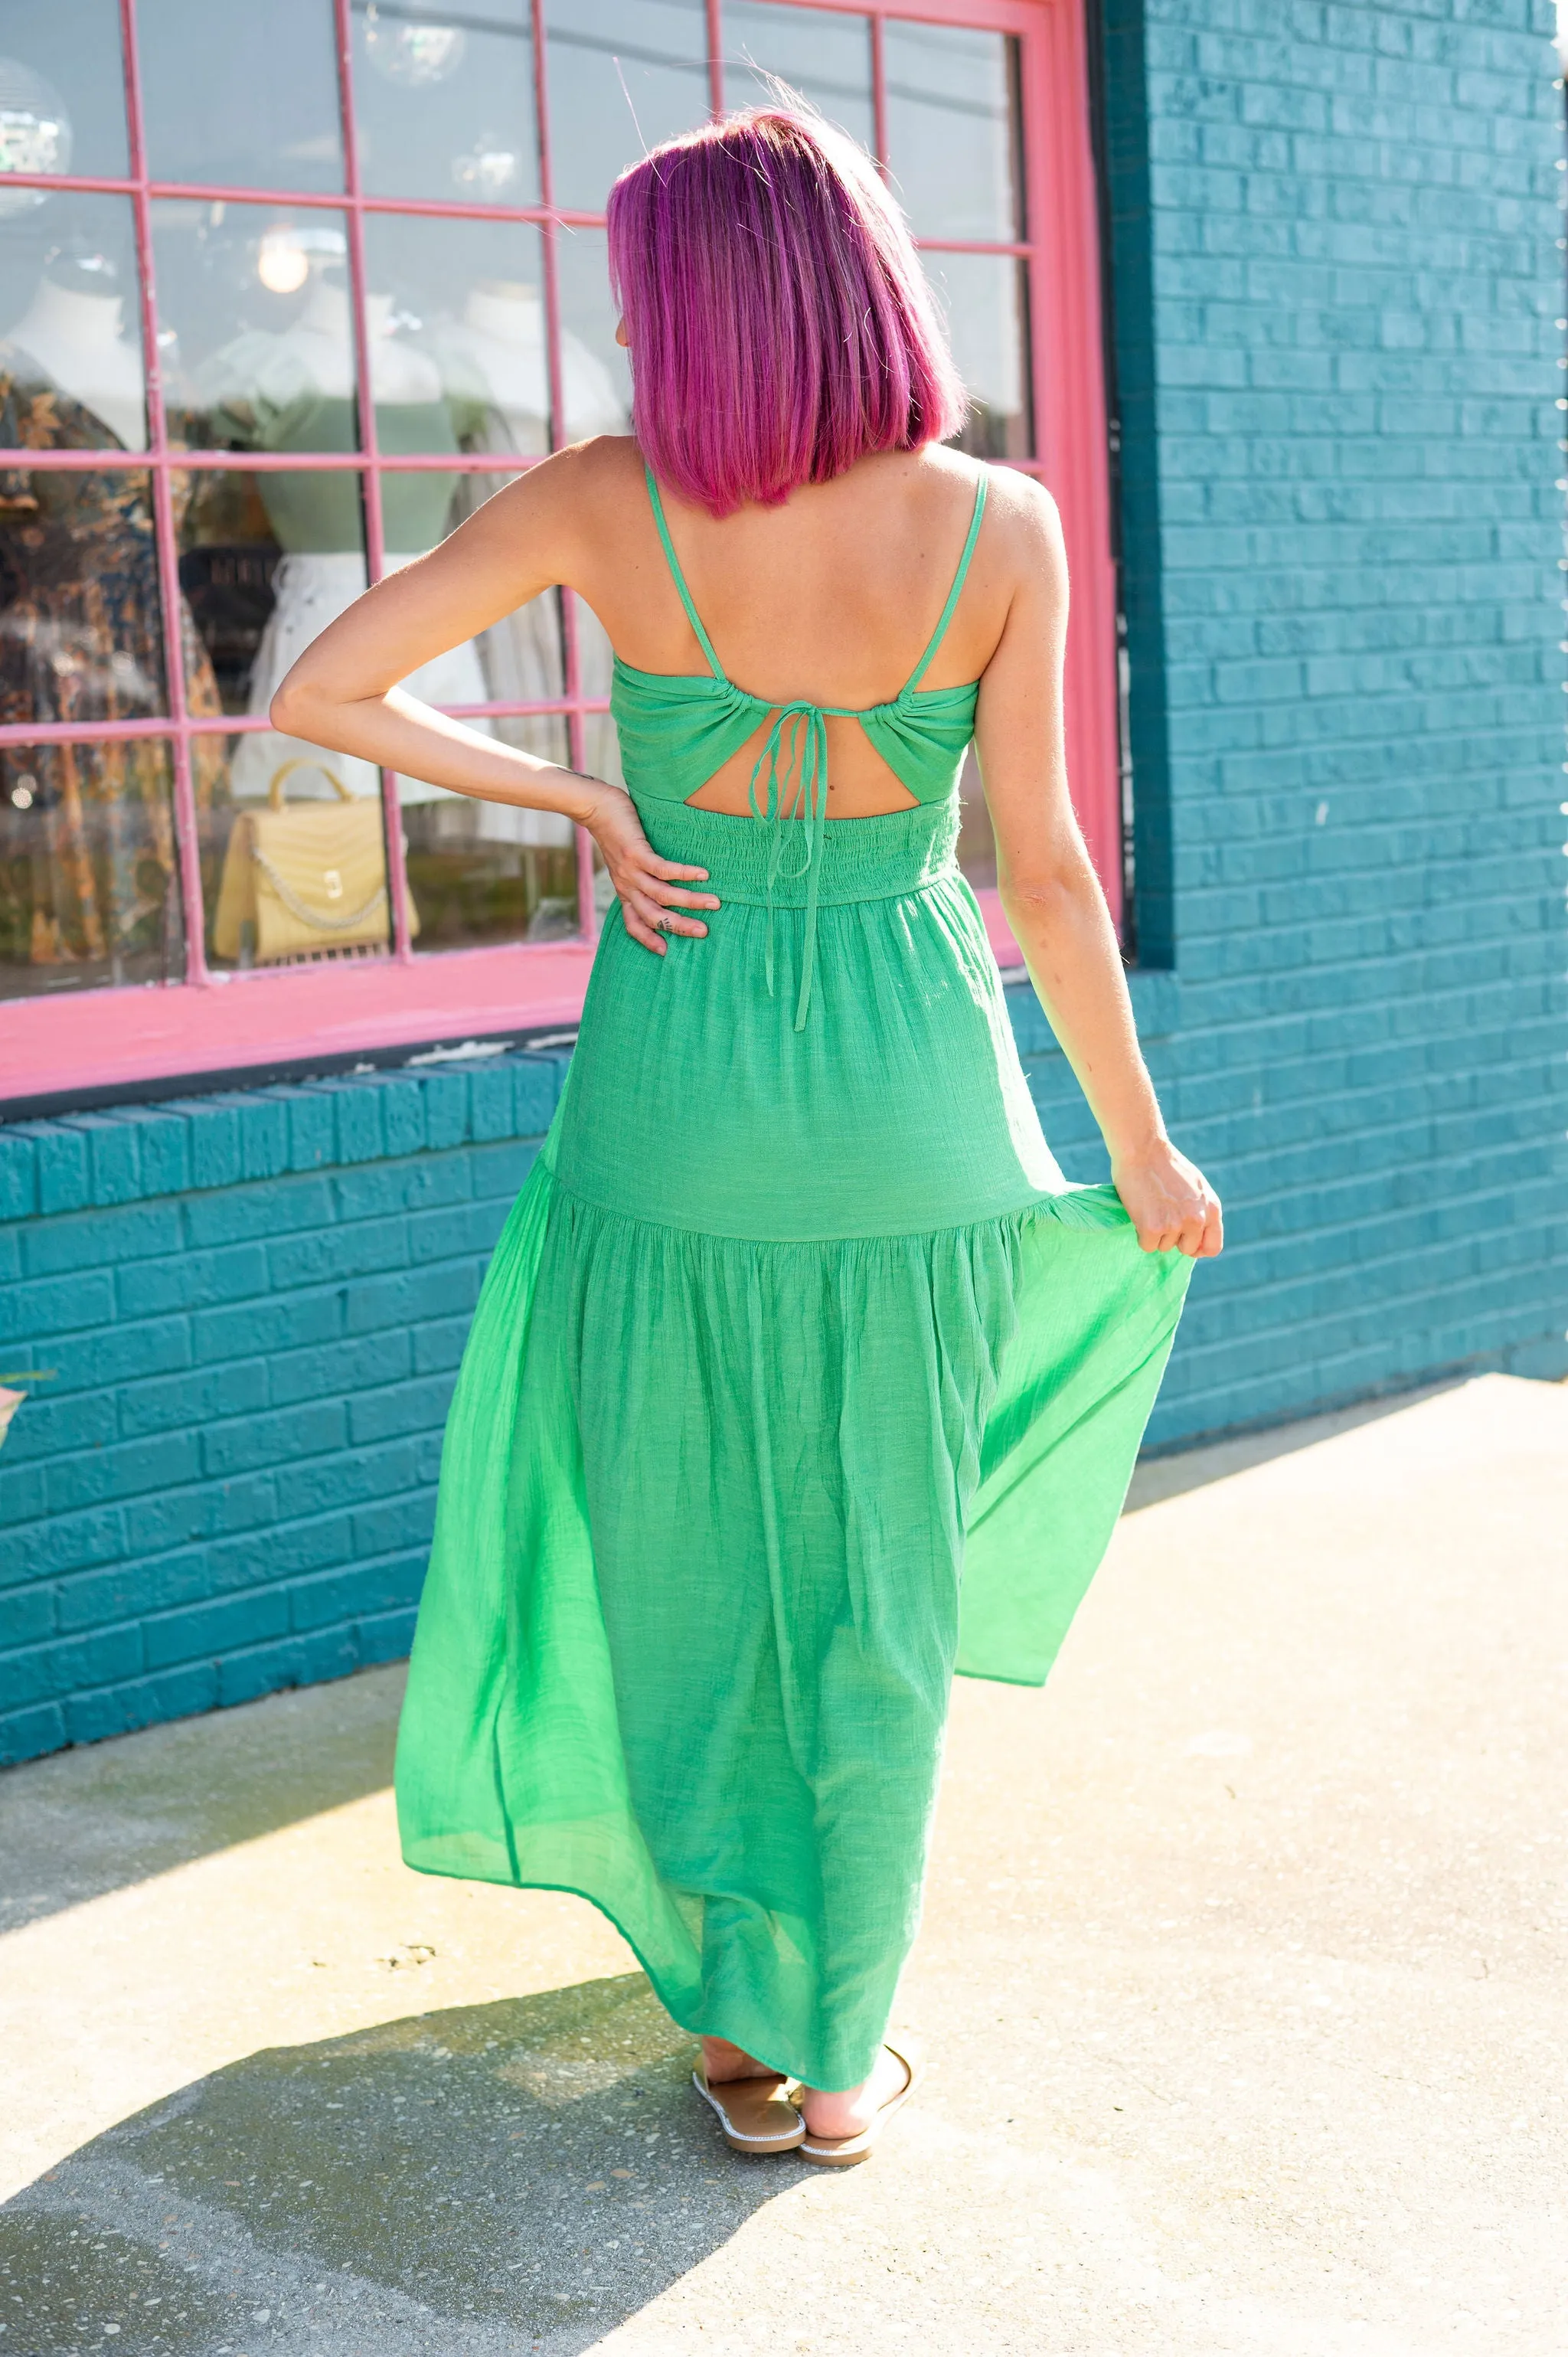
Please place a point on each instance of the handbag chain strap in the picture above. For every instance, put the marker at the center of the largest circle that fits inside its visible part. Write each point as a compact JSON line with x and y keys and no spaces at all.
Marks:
{"x":302,"y":908}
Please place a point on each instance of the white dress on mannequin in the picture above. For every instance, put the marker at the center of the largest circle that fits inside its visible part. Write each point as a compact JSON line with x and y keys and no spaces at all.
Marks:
{"x":270,"y":377}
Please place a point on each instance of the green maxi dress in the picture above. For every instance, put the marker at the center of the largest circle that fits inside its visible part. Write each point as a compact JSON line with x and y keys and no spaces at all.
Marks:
{"x":795,"y":1319}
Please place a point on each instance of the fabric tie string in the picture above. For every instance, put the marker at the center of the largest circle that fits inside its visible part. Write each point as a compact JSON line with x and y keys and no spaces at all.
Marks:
{"x":800,"y":794}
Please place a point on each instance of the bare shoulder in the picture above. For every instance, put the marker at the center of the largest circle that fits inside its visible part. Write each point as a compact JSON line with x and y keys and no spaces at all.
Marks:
{"x":584,"y":475}
{"x":1021,"y":538}
{"x":1023,"y":518}
{"x":559,"y":512}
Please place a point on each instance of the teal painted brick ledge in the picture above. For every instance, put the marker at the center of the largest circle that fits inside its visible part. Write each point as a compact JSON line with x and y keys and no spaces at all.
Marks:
{"x":249,"y":1307}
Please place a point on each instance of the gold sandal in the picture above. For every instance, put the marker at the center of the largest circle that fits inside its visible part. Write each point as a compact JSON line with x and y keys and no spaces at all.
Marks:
{"x":847,"y":2152}
{"x":754,"y":2114}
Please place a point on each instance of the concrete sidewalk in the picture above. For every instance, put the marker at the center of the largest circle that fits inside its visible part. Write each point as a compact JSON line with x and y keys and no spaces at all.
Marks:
{"x":1242,"y":1975}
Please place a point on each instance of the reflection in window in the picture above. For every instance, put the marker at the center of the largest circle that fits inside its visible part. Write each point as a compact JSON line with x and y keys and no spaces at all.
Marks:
{"x":624,"y":74}
{"x":985,"y":298}
{"x":89,"y":881}
{"x":70,"y":346}
{"x":241,"y":96}
{"x":444,"y":103}
{"x":596,"y":374}
{"x":826,"y":59}
{"x":62,"y":94}
{"x":953,"y":130}
{"x":89,"y":876}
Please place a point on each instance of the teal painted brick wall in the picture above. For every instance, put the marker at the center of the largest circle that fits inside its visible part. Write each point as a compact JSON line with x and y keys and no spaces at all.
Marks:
{"x":249,"y":1309}
{"x":1337,"y":277}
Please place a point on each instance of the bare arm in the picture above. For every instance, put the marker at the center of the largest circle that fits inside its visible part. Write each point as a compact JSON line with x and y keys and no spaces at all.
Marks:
{"x":343,"y":691}
{"x":1052,"y":896}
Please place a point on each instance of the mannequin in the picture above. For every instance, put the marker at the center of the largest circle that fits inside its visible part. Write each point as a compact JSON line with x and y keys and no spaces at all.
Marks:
{"x":74,"y":328}
{"x":295,"y":390}
{"x":492,"y":361}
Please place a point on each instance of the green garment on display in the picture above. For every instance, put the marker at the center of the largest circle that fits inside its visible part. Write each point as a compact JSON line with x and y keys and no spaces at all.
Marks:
{"x":795,"y":1321}
{"x":315,"y":513}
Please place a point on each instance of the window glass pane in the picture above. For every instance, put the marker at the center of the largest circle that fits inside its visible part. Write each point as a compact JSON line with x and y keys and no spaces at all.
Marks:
{"x":459,"y":359}
{"x":596,"y":374}
{"x":89,"y":881}
{"x":71,"y":330}
{"x":253,"y":316}
{"x":490,"y":871}
{"x":80,"y":623}
{"x":256,"y":599}
{"x":477,"y":871}
{"x":229,"y":560}
{"x":260,"y":585}
{"x":952,"y":134}
{"x":985,"y":297}
{"x":240,"y":97}
{"x":295,"y":872}
{"x":444,"y":105}
{"x":826,"y":59}
{"x":62,"y":93}
{"x":624,"y":74}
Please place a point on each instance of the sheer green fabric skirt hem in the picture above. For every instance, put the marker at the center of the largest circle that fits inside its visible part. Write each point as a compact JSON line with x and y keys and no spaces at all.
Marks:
{"x":717,"y":1522}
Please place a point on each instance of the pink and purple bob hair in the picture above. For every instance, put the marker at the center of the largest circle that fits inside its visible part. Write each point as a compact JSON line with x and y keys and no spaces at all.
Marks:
{"x":780,"y":322}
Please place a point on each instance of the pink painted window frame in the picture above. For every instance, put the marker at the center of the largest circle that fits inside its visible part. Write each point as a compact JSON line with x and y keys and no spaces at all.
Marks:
{"x":100,"y":1037}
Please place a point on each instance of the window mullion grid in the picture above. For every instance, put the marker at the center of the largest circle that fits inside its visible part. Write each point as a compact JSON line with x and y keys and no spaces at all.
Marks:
{"x":879,"y":91}
{"x":187,"y":845}
{"x":158,"y":460}
{"x":715,"y":35}
{"x":565,"y":600}
{"x":371,"y":479}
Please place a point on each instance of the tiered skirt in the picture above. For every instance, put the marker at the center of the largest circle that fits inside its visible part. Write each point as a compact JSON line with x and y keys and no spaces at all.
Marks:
{"x":799,"y":1378}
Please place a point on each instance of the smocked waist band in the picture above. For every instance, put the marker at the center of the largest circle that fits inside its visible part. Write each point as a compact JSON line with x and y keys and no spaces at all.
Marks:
{"x":860,"y":858}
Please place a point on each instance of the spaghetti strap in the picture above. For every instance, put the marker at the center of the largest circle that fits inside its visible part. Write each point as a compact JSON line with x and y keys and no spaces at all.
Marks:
{"x":940,"y":633}
{"x":679,"y":577}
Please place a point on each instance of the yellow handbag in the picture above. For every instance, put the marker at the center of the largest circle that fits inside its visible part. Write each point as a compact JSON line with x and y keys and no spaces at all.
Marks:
{"x":305,"y":879}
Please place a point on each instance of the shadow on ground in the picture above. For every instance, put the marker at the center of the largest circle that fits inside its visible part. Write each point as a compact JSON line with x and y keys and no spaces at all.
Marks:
{"x":102,"y":1815}
{"x":495,"y":2179}
{"x":1194,"y":1465}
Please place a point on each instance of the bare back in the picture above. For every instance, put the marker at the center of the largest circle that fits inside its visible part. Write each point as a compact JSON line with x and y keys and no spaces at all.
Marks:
{"x":831,"y":596}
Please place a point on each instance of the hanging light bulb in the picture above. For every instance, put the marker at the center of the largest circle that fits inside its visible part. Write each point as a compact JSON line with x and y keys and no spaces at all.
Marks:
{"x":285,"y":254}
{"x":283,"y":264}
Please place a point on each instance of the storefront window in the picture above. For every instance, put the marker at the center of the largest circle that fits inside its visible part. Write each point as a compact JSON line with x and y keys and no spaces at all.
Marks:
{"x":827,"y":59}
{"x":243,"y":95}
{"x":375,"y":297}
{"x":89,"y":881}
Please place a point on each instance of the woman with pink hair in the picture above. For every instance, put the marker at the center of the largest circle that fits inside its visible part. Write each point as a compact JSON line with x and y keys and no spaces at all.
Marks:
{"x":796,"y":1318}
